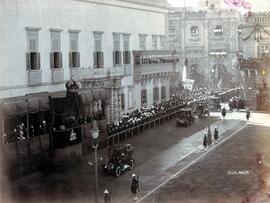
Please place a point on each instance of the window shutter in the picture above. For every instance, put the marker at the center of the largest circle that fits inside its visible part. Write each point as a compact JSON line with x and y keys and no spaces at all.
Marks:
{"x":102,"y":59}
{"x":78,"y":59}
{"x":124,"y":57}
{"x":38,"y":61}
{"x":60,"y":60}
{"x":28,"y":61}
{"x":51,"y":60}
{"x":119,"y":57}
{"x":70,"y":60}
{"x":114,"y":60}
{"x":95,"y":59}
{"x":98,"y":59}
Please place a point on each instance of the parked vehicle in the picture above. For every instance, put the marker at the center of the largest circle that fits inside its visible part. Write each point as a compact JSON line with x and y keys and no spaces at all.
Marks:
{"x":185,"y":118}
{"x":120,"y":160}
{"x":215,"y":103}
{"x":202,"y":109}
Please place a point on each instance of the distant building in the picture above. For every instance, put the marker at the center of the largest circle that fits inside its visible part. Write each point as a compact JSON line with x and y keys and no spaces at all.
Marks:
{"x":210,"y":42}
{"x":255,"y":63}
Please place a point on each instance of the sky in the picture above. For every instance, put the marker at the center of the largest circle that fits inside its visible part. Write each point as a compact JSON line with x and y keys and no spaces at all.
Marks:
{"x":256,"y":5}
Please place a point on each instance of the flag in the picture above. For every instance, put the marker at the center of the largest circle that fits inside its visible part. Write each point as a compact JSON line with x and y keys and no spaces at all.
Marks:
{"x":219,"y":83}
{"x":184,"y":75}
{"x":242,"y":6}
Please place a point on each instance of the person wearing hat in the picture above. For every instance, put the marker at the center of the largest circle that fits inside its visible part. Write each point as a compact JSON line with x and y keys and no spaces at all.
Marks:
{"x":134,"y":187}
{"x":216,"y":134}
{"x":107,"y":196}
{"x":205,"y":141}
{"x":248,"y":114}
{"x":223,"y":112}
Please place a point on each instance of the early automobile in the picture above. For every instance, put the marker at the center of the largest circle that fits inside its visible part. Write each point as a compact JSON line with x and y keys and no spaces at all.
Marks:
{"x":185,"y":117}
{"x":215,"y":103}
{"x":202,"y":109}
{"x":120,"y":160}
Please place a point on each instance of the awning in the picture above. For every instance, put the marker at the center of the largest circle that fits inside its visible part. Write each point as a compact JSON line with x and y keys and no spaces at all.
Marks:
{"x":86,"y":98}
{"x":9,"y":110}
{"x":21,"y":108}
{"x":44,"y":104}
{"x":33,"y":105}
{"x":13,"y":109}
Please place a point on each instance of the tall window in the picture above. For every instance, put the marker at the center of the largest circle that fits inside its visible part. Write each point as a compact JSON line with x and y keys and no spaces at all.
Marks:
{"x":32,"y":54}
{"x":194,"y":30}
{"x":116,"y":49}
{"x":263,"y":50}
{"x":162,"y":43}
{"x":143,"y":97}
{"x":154,"y":42}
{"x":155,"y":93}
{"x":98,"y":53}
{"x":163,"y":92}
{"x":142,"y":39}
{"x":126,"y":52}
{"x":130,"y":96}
{"x":56,"y":54}
{"x":74,"y":54}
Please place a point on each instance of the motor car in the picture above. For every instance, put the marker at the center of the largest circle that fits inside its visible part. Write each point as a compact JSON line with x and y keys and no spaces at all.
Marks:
{"x":120,"y":160}
{"x":202,"y":109}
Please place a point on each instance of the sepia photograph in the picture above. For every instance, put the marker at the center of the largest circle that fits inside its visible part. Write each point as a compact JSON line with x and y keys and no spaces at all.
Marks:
{"x":135,"y":101}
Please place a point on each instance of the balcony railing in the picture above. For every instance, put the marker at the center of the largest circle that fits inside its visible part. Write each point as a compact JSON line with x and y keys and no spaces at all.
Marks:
{"x":34,"y":77}
{"x":57,"y":76}
{"x":119,"y":71}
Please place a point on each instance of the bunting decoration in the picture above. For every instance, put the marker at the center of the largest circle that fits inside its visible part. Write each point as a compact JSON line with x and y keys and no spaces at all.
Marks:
{"x":257,"y":30}
{"x":241,"y":5}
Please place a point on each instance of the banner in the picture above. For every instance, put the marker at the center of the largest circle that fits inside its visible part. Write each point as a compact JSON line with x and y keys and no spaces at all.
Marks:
{"x":188,"y":84}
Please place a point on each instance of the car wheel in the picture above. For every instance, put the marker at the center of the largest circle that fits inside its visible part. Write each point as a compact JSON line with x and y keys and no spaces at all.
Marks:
{"x":131,"y":164}
{"x":118,"y":171}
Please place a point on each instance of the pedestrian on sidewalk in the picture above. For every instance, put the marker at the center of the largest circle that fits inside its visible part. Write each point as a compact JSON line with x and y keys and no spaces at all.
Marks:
{"x":248,"y":115}
{"x":107,"y":196}
{"x":223,"y":112}
{"x":216,"y":136}
{"x":135,"y":188}
{"x":205,"y":141}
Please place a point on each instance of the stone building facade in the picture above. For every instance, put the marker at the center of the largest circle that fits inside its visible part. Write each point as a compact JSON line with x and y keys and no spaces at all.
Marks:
{"x":254,"y":63}
{"x":210,"y":42}
{"x":47,"y":43}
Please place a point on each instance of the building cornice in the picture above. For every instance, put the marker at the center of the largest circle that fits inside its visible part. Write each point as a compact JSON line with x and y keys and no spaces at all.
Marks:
{"x":129,"y":5}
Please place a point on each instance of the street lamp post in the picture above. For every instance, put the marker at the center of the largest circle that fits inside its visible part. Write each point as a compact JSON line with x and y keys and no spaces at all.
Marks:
{"x":213,"y":71}
{"x":95,"y":134}
{"x":209,"y":135}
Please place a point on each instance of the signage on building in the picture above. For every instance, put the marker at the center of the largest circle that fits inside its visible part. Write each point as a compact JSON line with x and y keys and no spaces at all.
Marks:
{"x":188,"y":84}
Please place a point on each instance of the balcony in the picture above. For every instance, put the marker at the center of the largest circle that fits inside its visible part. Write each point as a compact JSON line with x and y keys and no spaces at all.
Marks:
{"x":92,"y":73}
{"x":153,"y":62}
{"x":58,"y":76}
{"x":34,"y":78}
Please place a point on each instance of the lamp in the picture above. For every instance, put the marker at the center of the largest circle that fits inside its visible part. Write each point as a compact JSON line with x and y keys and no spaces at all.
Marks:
{"x":95,"y":134}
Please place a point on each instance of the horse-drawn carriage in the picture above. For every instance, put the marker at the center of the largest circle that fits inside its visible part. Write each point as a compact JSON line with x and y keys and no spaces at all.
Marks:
{"x":185,"y":117}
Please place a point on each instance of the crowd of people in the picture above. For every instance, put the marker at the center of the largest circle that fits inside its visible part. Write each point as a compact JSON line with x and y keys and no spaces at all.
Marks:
{"x":146,"y":114}
{"x":237,"y":102}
